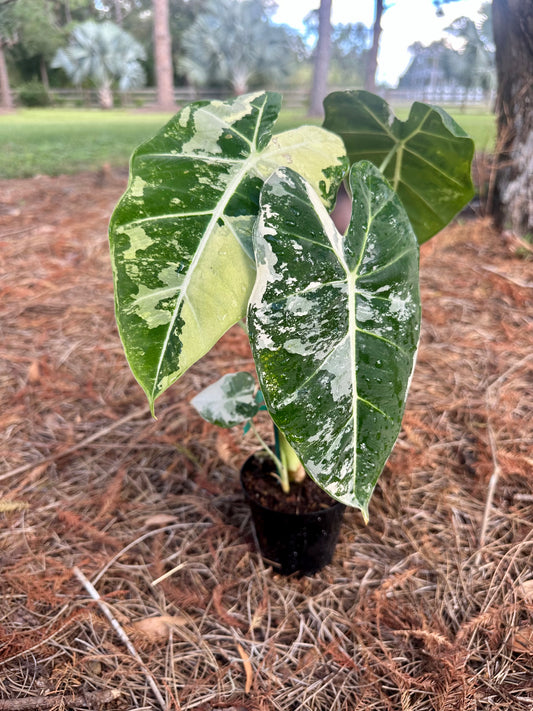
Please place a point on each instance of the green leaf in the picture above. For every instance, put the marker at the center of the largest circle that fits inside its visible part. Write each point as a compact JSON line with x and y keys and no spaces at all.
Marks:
{"x":229,"y":401}
{"x":334,"y":326}
{"x":181,"y":234}
{"x":427,"y":158}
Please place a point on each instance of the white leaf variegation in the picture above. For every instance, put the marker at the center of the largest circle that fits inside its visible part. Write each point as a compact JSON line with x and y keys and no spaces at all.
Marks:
{"x":334,"y":325}
{"x":229,"y":401}
{"x":181,"y":234}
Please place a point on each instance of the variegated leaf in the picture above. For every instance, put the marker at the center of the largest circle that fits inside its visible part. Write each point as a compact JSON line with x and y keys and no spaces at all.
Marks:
{"x":181,"y":235}
{"x":334,"y":325}
{"x":229,"y":401}
{"x":426,"y":158}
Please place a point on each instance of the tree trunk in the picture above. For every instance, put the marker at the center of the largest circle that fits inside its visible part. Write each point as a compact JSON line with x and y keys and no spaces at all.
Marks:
{"x":44,"y":73}
{"x":239,"y":82}
{"x":6,"y":101}
{"x":118,"y":12}
{"x":163,"y":57}
{"x":105,"y":95}
{"x":512,"y":204}
{"x":372,"y":59}
{"x":322,"y":57}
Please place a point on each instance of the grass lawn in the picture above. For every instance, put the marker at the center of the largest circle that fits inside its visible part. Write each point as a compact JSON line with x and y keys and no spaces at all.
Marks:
{"x":57,"y":141}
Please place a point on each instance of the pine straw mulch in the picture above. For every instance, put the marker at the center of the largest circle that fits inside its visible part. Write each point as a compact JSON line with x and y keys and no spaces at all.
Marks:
{"x":429,"y":607}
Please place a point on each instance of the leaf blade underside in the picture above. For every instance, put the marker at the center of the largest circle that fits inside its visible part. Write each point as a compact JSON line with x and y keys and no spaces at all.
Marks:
{"x":334,"y":325}
{"x":427,"y":158}
{"x":181,"y":235}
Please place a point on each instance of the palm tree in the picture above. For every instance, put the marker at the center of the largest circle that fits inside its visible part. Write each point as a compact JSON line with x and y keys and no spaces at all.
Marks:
{"x":475,"y":65}
{"x":102,"y":53}
{"x":234,"y":43}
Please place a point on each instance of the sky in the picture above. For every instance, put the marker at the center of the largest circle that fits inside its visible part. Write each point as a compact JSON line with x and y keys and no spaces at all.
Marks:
{"x":403,"y":23}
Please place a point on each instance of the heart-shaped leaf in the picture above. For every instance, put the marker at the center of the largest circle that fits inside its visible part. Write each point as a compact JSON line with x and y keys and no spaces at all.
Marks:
{"x":334,"y":325}
{"x":427,"y":158}
{"x":181,"y":235}
{"x":230,"y":401}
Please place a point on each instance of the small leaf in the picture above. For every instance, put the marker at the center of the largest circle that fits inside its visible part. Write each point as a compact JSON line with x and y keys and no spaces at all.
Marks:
{"x":228,"y":402}
{"x":427,"y":158}
{"x":525,"y":590}
{"x":34,"y":372}
{"x":334,"y":325}
{"x":157,"y":629}
{"x":7,"y":506}
{"x":522,"y":640}
{"x":160,"y":520}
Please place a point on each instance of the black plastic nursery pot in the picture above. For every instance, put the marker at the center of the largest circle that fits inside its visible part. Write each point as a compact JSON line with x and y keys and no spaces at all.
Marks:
{"x":294,"y":542}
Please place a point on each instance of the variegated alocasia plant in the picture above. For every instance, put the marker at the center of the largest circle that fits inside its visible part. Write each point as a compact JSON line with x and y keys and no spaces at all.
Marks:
{"x":223,"y":219}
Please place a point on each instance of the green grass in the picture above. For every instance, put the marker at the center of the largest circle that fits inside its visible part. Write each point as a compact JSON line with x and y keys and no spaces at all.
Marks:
{"x":56,"y":141}
{"x":481,"y":126}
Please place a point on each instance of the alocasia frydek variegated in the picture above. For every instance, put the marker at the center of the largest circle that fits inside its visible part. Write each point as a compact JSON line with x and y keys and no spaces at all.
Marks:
{"x":224,"y":219}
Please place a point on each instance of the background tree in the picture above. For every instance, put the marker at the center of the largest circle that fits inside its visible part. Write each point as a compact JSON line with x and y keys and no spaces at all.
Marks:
{"x":513,"y":39}
{"x":39,"y":27}
{"x":372,"y":60}
{"x":429,"y":68}
{"x":39,"y":35}
{"x":7,"y":37}
{"x":474,"y":63}
{"x":349,"y":52}
{"x":138,"y":20}
{"x":350,"y":43}
{"x":79,"y":11}
{"x":234,"y":43}
{"x":319,"y":88}
{"x":102,"y":53}
{"x":441,"y":66}
{"x":164,"y":72}
{"x":183,"y":14}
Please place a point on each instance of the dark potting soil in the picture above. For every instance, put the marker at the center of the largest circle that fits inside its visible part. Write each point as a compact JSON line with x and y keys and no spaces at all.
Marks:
{"x":261,"y":483}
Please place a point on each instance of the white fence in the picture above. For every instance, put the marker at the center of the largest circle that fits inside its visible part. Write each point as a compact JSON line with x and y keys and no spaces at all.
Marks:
{"x":292,"y":98}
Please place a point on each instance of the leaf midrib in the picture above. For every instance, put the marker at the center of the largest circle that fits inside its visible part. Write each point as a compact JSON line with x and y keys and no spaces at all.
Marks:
{"x":400,"y":144}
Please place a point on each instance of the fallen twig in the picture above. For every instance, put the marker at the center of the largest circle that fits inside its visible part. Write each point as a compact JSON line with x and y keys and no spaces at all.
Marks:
{"x":490,"y":494}
{"x":90,"y":699}
{"x":513,"y":280}
{"x":12,"y":233}
{"x":120,"y":632}
{"x":247,"y":668}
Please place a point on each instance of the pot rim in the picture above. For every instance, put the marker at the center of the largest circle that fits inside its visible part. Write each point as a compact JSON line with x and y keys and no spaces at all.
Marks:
{"x":311,"y":514}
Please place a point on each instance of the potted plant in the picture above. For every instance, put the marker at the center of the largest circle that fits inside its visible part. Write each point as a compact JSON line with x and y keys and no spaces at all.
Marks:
{"x":223,"y":221}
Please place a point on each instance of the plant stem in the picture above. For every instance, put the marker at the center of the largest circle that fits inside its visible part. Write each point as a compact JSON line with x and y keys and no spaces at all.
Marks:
{"x":242,"y":323}
{"x":290,"y":460}
{"x":282,"y":470}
